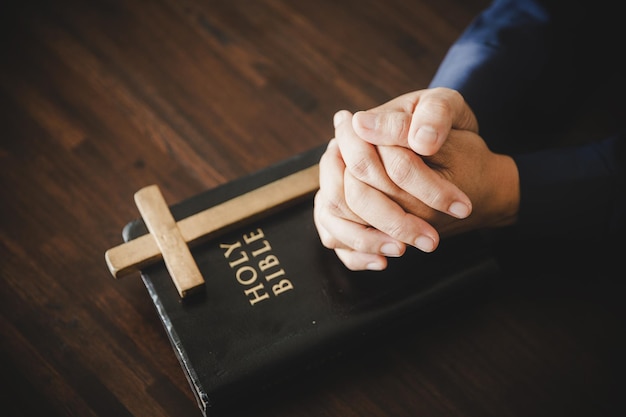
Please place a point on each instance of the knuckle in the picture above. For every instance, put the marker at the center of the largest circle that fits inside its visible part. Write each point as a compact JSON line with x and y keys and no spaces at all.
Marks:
{"x":396,"y":228}
{"x":328,"y":241}
{"x":335,"y":206}
{"x":329,"y":204}
{"x":442,"y":102}
{"x":354,"y":199}
{"x":399,"y":169}
{"x":359,"y":244}
{"x":447,"y":94}
{"x":397,"y":126}
{"x":455,"y":96}
{"x":361,"y":167}
{"x":442,"y":108}
{"x":434,"y":198}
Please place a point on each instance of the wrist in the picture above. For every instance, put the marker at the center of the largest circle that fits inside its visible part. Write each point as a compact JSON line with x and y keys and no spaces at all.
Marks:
{"x":506,"y":192}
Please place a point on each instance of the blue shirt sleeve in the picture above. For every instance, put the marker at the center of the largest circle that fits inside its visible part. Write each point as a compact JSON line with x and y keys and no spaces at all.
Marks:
{"x":578,"y":190}
{"x":498,"y":57}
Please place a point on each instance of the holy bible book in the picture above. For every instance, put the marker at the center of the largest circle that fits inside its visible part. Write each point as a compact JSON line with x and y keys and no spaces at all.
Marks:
{"x":276,"y":303}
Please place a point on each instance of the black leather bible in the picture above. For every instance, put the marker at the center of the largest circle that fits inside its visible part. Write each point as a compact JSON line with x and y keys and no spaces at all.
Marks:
{"x":276,"y":302}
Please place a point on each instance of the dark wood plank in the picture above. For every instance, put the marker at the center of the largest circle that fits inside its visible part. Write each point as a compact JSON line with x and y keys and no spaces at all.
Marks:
{"x":100,"y":98}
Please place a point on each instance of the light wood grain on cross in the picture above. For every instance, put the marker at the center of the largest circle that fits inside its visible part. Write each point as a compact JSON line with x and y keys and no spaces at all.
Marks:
{"x":169,"y":240}
{"x":164,"y":230}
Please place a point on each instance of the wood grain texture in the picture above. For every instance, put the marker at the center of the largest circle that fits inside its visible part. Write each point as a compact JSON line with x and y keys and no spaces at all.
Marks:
{"x":172,"y":247}
{"x":101,"y":98}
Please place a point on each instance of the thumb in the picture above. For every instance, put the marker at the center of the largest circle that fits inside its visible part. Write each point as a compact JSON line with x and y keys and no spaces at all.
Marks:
{"x":437,"y":111}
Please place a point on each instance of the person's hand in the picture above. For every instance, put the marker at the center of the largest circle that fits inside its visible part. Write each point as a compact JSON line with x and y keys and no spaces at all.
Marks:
{"x":490,"y":180}
{"x":364,"y":222}
{"x":468,"y":163}
{"x":419,"y":120}
{"x":364,"y":242}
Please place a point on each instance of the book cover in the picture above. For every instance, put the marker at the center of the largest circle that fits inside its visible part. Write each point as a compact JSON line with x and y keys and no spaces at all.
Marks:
{"x":276,"y":302}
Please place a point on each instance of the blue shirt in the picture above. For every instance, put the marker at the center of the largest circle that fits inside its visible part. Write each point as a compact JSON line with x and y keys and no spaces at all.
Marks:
{"x":517,"y":65}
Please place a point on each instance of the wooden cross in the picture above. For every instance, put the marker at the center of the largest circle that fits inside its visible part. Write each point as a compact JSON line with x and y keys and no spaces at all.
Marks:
{"x":170,"y":240}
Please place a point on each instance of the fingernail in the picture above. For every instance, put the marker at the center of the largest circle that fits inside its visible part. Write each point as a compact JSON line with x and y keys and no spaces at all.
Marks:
{"x":374,"y":266}
{"x":339,"y":117}
{"x":425,"y":243}
{"x":366,"y":120}
{"x":425,"y":135}
{"x":459,"y":210}
{"x":390,"y":249}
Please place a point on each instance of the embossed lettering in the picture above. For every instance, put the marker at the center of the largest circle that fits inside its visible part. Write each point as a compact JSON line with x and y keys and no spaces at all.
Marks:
{"x":251,"y":273}
{"x":282,"y":286}
{"x":230,"y":249}
{"x":266,"y":247}
{"x":276,"y":274}
{"x":244,"y":258}
{"x":258,"y":297}
{"x":252,"y":237}
{"x":268,"y":262}
{"x":247,"y":274}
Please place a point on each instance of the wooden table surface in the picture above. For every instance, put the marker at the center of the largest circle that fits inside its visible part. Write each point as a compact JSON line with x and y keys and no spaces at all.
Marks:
{"x":99,"y":99}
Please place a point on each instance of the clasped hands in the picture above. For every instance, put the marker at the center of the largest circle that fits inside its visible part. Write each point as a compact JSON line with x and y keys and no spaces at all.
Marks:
{"x":406,"y":173}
